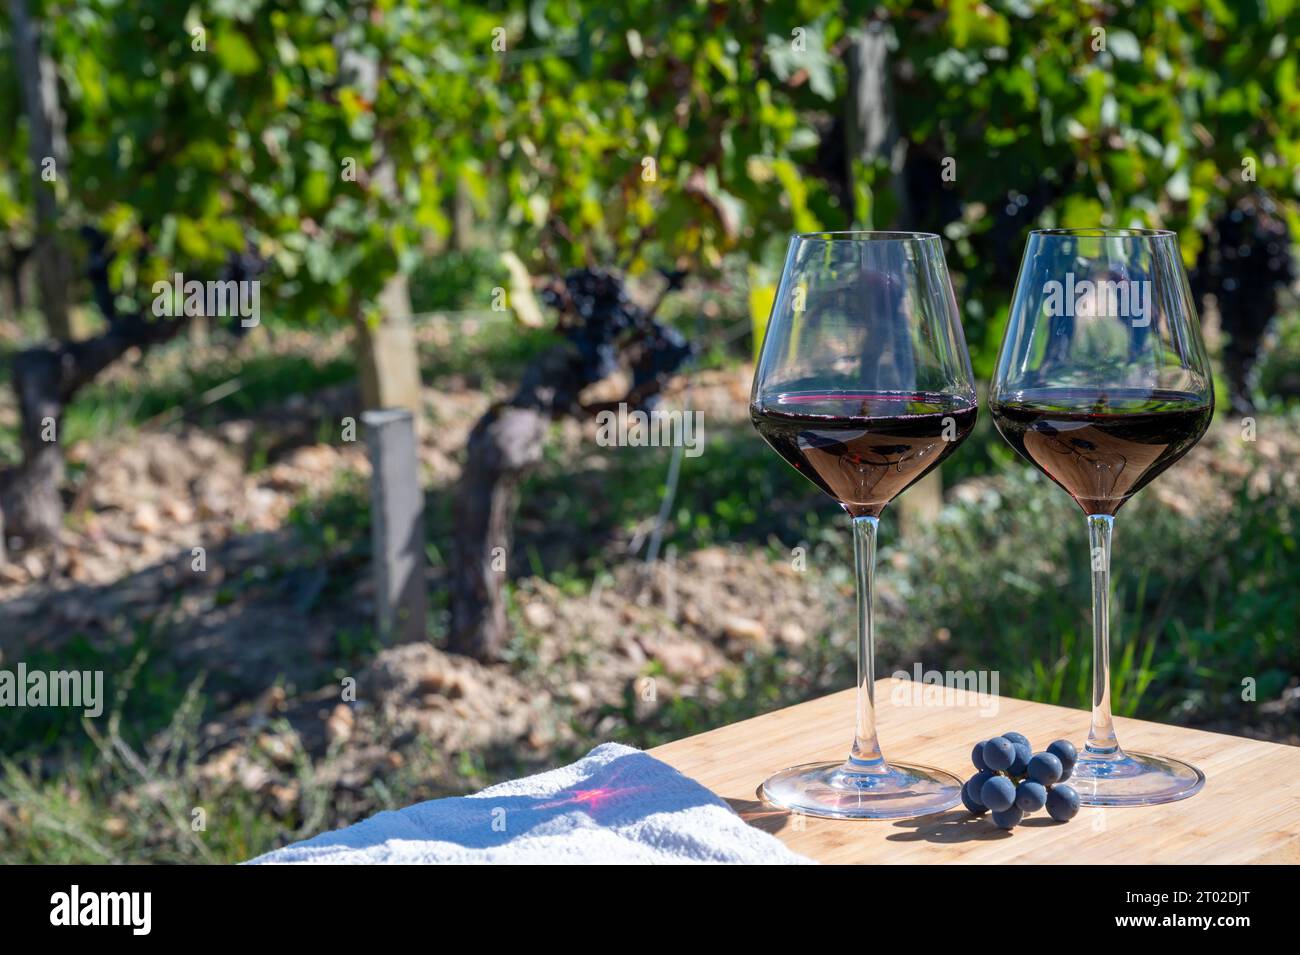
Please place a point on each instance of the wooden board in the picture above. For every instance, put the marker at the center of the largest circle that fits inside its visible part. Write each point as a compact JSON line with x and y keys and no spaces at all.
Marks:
{"x":1248,"y":810}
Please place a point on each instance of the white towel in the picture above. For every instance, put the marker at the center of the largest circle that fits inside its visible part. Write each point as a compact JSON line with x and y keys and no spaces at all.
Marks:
{"x":615,"y":805}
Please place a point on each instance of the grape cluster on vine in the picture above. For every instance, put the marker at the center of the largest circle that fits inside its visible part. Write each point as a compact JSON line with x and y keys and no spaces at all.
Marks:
{"x":606,"y":328}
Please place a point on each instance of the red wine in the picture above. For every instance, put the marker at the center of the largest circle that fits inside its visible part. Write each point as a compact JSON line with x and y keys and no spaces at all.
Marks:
{"x":864,"y":449}
{"x":1102,"y":446}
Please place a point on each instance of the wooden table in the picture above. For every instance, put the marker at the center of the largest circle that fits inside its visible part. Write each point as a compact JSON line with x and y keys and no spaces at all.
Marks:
{"x":1248,"y":810}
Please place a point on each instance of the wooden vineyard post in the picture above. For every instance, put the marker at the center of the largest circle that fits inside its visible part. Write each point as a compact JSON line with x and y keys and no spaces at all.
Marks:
{"x":874,"y":141}
{"x":397,"y":524}
{"x":389,"y":366}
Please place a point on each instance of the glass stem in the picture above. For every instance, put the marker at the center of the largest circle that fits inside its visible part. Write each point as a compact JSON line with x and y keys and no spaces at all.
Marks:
{"x":1101,"y":737}
{"x":866,"y":755}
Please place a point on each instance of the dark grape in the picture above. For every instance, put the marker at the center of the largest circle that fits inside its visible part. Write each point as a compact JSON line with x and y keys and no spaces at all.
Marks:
{"x":1064,"y":750}
{"x":998,"y":793}
{"x":1062,"y":803}
{"x":1023,"y":752}
{"x":1021,"y":762}
{"x":1007,"y":818}
{"x":1030,"y":796}
{"x":977,"y":755}
{"x":1045,"y":768}
{"x":977,"y":782}
{"x":999,"y":753}
{"x":972,"y":803}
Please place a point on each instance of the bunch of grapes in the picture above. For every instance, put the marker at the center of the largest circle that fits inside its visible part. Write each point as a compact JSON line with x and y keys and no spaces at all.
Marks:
{"x":595,"y":312}
{"x":1014,"y":781}
{"x":1245,"y":264}
{"x":603,"y":324}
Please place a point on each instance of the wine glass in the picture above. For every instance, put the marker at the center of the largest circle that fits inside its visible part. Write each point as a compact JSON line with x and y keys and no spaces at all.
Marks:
{"x":1102,"y":383}
{"x":864,"y":385}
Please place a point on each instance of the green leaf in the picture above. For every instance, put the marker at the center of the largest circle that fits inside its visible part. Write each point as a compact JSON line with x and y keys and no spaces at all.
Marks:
{"x":234,"y":52}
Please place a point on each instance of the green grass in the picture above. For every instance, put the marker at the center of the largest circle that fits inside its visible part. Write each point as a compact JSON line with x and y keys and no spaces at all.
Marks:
{"x":207,"y":384}
{"x":257,"y":380}
{"x":1198,"y":606}
{"x":122,"y":803}
{"x":735,"y":492}
{"x":757,"y":684}
{"x":495,"y":353}
{"x":136,"y":675}
{"x":1278,"y":372}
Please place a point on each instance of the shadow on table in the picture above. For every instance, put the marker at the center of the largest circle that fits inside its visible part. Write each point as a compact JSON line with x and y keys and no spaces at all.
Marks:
{"x":760,"y":815}
{"x":948,"y":827}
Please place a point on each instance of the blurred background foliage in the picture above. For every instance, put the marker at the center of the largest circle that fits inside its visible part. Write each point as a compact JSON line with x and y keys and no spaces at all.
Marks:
{"x":666,"y":134}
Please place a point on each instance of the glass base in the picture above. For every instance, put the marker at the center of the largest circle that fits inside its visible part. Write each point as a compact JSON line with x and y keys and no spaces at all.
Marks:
{"x":844,"y":790}
{"x":1133,"y":779}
